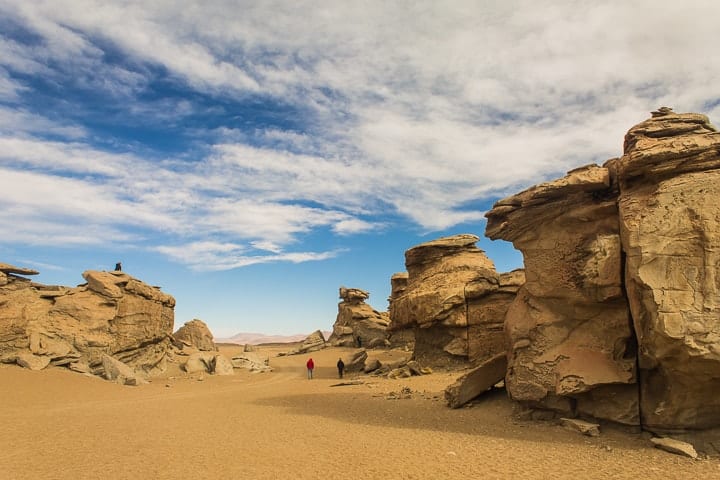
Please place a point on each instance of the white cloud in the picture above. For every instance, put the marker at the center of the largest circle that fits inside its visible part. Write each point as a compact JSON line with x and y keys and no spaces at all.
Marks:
{"x":208,"y":255}
{"x":421,"y":108}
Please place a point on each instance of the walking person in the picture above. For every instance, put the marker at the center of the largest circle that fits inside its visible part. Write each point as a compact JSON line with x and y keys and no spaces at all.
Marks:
{"x":310,"y":366}
{"x":341,"y":367}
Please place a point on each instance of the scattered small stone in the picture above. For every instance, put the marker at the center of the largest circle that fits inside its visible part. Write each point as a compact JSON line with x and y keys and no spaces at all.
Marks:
{"x":675,"y":446}
{"x":586,"y":428}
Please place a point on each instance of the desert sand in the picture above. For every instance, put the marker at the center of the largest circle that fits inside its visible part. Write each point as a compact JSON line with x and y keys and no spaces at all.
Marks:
{"x":62,"y":425}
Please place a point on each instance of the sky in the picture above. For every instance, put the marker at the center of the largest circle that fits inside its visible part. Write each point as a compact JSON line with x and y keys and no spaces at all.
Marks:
{"x":251,"y":157}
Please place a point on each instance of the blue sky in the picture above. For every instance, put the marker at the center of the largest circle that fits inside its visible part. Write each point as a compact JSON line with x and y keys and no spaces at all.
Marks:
{"x":252,"y":157}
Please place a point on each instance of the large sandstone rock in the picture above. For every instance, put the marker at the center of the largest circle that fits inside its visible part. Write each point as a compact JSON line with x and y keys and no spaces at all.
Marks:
{"x":453,"y":301}
{"x":312,"y":343}
{"x":618,"y":316}
{"x":357,"y":323}
{"x":568,"y":330}
{"x":669,"y":180}
{"x":196,"y":333}
{"x":112,"y":314}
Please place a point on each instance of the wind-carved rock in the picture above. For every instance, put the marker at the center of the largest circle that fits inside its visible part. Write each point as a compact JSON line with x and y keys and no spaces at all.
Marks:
{"x":618,"y":318}
{"x":669,"y":179}
{"x":357,"y":323}
{"x":112,"y":314}
{"x":196,"y":333}
{"x":568,"y":331}
{"x":454,"y":301}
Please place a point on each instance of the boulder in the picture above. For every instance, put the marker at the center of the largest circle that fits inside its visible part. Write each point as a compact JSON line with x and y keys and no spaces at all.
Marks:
{"x":32,"y":362}
{"x":357,"y":323}
{"x":251,"y":361}
{"x":116,"y":371}
{"x":356,"y":361}
{"x":477,"y":381}
{"x":221,"y":365}
{"x":200,"y":362}
{"x":197,"y":334}
{"x":313,"y":342}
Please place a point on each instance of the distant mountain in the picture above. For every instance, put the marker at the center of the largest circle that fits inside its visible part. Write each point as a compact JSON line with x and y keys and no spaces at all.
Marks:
{"x":258,"y":338}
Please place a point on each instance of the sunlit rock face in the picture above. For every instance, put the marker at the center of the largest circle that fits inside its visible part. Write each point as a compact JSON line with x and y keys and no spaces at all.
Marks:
{"x":112,"y":314}
{"x":618,"y":318}
{"x":570,"y":342}
{"x":357,"y":324}
{"x":454,"y":301}
{"x":669,"y":203}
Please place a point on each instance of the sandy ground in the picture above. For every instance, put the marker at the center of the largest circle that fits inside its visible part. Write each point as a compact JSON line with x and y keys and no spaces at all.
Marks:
{"x":62,"y":425}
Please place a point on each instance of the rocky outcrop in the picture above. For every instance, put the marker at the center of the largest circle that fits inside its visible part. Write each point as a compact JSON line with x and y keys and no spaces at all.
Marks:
{"x":113,"y":314}
{"x":568,"y":329}
{"x":454,"y":302}
{"x":357,"y":323}
{"x":618,"y":316}
{"x":196,"y":333}
{"x":669,"y":178}
{"x":400,"y":335}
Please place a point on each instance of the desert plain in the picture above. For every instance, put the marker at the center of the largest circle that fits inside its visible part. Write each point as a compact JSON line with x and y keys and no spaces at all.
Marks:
{"x":58,"y":424}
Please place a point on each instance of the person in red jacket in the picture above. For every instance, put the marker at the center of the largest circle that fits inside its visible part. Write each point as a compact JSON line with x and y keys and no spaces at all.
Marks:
{"x":310,"y":366}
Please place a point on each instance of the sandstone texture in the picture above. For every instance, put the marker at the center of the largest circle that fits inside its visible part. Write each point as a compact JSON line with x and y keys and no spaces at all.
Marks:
{"x":357,"y":323}
{"x":618,"y":318}
{"x":196,"y":333}
{"x":568,"y":329}
{"x":454,"y":302}
{"x":113,"y":315}
{"x":669,"y":179}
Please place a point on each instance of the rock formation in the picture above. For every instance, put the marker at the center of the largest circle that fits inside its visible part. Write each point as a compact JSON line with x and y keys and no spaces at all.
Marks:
{"x":313,"y":342}
{"x":112,"y":314}
{"x":618,"y":318}
{"x":669,"y":179}
{"x":196,"y":333}
{"x":570,"y":345}
{"x":399,"y":337}
{"x":454,"y":302}
{"x":357,"y":323}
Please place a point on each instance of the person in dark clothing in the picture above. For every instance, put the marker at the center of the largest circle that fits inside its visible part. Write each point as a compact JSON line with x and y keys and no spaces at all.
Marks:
{"x":310,"y":366}
{"x":118,"y":266}
{"x":341,"y":367}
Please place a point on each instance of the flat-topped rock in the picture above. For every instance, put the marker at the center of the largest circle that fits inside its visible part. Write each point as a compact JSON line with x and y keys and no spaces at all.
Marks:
{"x":7,"y":268}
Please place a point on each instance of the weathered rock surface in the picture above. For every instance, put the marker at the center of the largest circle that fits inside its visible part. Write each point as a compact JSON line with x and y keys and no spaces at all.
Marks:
{"x":454,"y":302}
{"x":618,"y":316}
{"x":669,"y":179}
{"x":675,"y":446}
{"x":355,"y":362}
{"x":252,"y":361}
{"x":357,"y":323}
{"x":209,"y":362}
{"x":112,"y":314}
{"x":196,"y":333}
{"x":116,"y":371}
{"x":403,"y":336}
{"x":313,"y":342}
{"x":477,"y":381}
{"x":586,"y":428}
{"x":568,"y":329}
